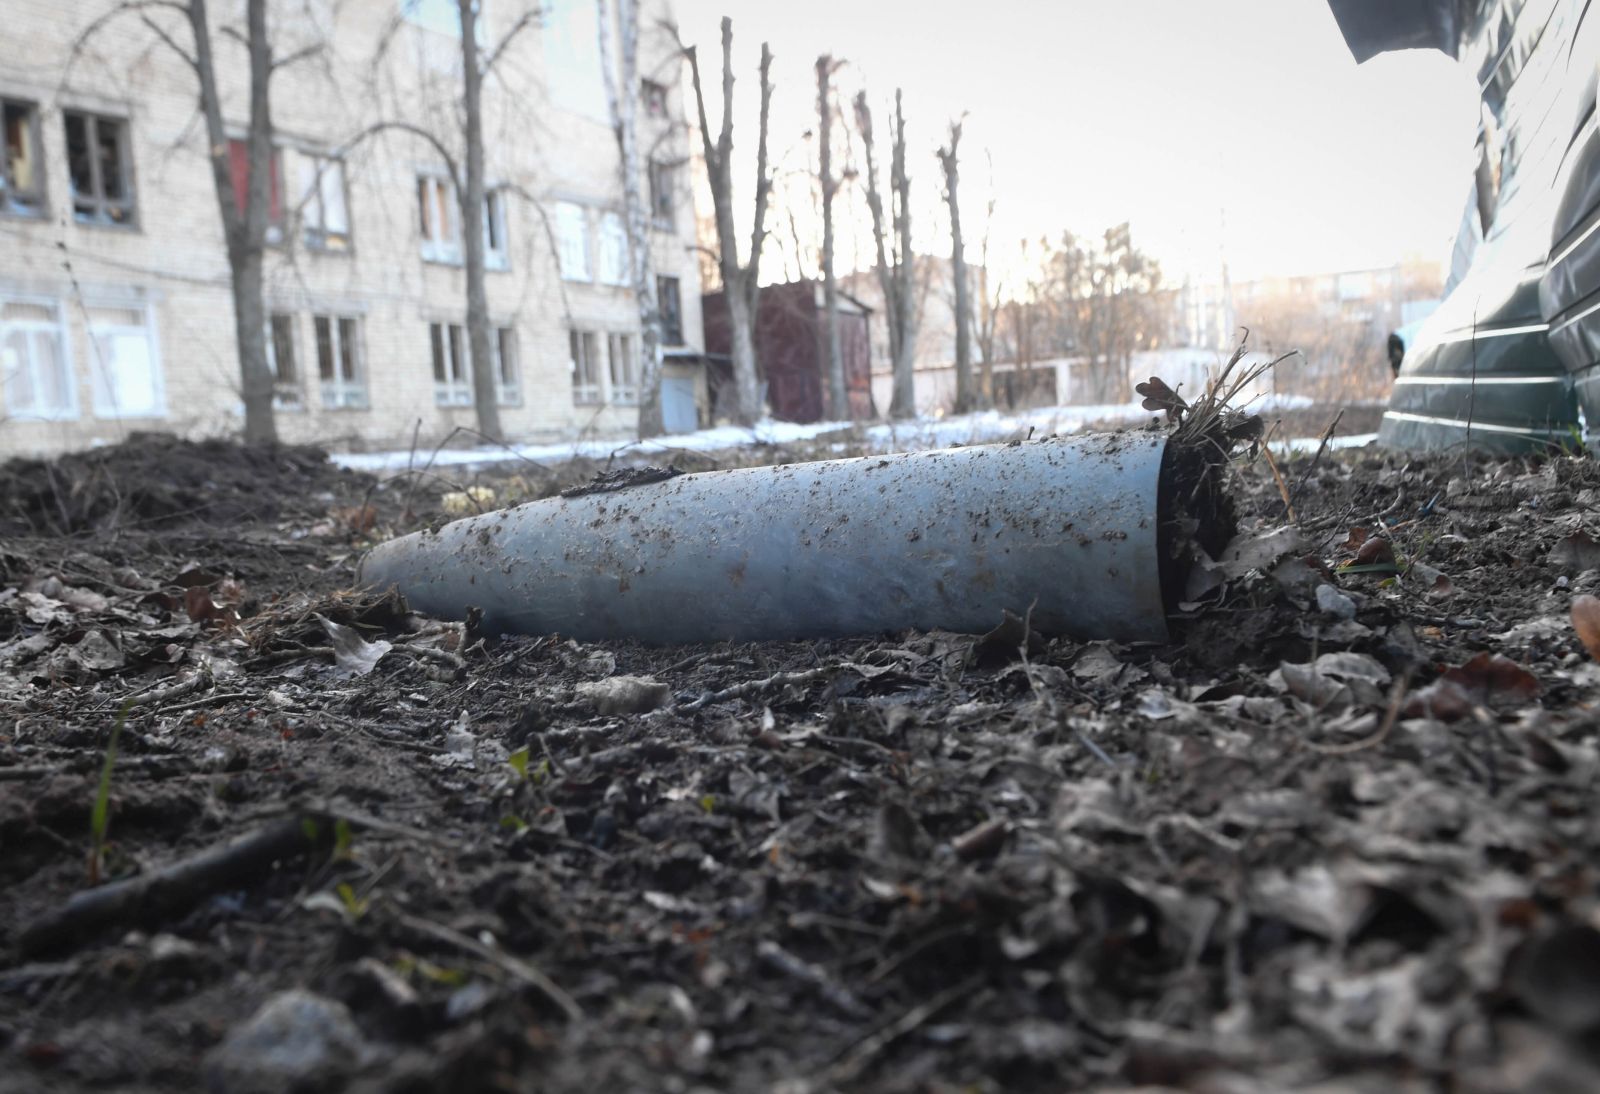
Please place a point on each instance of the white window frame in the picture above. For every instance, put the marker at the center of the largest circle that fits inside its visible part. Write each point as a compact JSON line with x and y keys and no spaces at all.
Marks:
{"x":312,"y":203}
{"x":613,"y":250}
{"x":494,"y":223}
{"x":341,"y":392}
{"x":622,"y":347}
{"x":62,"y":332}
{"x":507,"y":392}
{"x":586,"y":393}
{"x":286,"y":394}
{"x":572,"y":250}
{"x":152,"y":337}
{"x":448,"y":346}
{"x":440,"y":243}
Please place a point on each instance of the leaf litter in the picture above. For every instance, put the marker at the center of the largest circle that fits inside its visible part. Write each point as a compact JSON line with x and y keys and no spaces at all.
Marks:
{"x":1338,"y":835}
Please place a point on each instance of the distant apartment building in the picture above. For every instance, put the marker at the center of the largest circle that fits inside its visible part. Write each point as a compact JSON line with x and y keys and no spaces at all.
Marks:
{"x":115,"y":311}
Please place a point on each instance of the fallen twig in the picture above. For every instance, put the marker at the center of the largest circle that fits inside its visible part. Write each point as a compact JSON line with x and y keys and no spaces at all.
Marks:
{"x":515,"y":967}
{"x":152,"y":897}
{"x":756,"y":687}
{"x":857,"y":1058}
{"x":832,"y":992}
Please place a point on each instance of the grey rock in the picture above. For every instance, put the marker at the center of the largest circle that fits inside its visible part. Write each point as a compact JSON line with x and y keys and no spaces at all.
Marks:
{"x":1332,"y":602}
{"x":295,"y":1040}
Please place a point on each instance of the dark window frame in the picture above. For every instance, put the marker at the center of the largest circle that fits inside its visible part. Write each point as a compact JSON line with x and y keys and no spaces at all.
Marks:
{"x":95,"y":207}
{"x":671,"y":314}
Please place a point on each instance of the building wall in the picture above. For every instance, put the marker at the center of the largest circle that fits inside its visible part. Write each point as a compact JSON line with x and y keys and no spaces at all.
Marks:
{"x":547,"y":140}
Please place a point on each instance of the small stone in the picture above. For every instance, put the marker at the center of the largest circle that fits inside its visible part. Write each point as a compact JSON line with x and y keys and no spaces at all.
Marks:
{"x":1332,"y":602}
{"x":295,"y":1040}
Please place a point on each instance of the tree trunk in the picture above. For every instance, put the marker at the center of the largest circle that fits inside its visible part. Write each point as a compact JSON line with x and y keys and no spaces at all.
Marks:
{"x":904,"y":402}
{"x":740,"y":284}
{"x":838,"y":395}
{"x":485,"y":393}
{"x":967,"y":397}
{"x":244,"y":224}
{"x":625,"y":124}
{"x":741,"y":319}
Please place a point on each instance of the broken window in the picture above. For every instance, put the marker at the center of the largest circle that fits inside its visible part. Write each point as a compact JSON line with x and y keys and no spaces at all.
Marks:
{"x":124,"y":368}
{"x":21,"y":176}
{"x":35,"y":373}
{"x":286,"y":392}
{"x":339,"y":362}
{"x":671,"y":309}
{"x":239,"y":168}
{"x":507,"y":374}
{"x":613,"y":250}
{"x":624,"y":362}
{"x":661,"y":196}
{"x":584,"y":347}
{"x":100,"y":167}
{"x":452,"y":372}
{"x":324,"y":208}
{"x":654,"y":96}
{"x":572,"y":241}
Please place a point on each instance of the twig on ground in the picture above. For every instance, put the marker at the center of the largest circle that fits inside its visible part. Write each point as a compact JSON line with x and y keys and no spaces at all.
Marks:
{"x":515,"y":967}
{"x":1397,"y":699}
{"x":831,"y":991}
{"x":855,"y":1061}
{"x":150,"y":898}
{"x":756,"y":687}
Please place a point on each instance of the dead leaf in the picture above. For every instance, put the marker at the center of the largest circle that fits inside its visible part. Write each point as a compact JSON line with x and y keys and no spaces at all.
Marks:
{"x":1586,"y":621}
{"x":1577,"y":553}
{"x":1485,"y":680}
{"x":352,"y":654}
{"x":1004,"y":644}
{"x":1158,"y":396}
{"x":1375,"y":551}
{"x":97,"y":653}
{"x":203,"y":609}
{"x":624,"y":694}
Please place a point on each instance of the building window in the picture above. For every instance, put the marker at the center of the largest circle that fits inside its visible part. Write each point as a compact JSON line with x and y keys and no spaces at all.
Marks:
{"x":661,"y":195}
{"x":124,"y":370}
{"x":584,"y":346}
{"x":613,"y":250}
{"x":438,"y":15}
{"x":239,"y":168}
{"x":624,"y":365}
{"x":507,"y":371}
{"x":21,"y":179}
{"x":339,"y":362}
{"x":452,"y":373}
{"x":100,"y":167}
{"x":323,"y":206}
{"x":35,"y":371}
{"x":441,"y":219}
{"x":654,"y":97}
{"x":496,"y":255}
{"x":572,"y":241}
{"x":286,"y":393}
{"x":671,"y":309}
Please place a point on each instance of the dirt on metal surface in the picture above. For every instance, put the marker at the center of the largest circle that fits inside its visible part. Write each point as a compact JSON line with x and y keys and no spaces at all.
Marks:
{"x":1341,"y":837}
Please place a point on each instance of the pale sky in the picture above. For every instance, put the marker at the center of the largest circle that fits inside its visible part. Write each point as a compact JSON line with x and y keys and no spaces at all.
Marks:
{"x":1177,"y":115}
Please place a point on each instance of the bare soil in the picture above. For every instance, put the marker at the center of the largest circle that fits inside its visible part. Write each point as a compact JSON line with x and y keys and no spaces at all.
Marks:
{"x":1338,"y":835}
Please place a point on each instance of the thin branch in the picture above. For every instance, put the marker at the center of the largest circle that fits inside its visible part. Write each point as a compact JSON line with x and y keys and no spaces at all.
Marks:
{"x":171,"y":42}
{"x":528,"y":18}
{"x":414,"y":130}
{"x":298,"y":55}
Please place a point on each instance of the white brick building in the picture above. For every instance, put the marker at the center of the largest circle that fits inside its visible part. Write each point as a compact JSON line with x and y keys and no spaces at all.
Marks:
{"x":115,"y":312}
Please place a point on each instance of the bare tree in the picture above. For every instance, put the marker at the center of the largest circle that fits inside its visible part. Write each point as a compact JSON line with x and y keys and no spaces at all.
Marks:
{"x":245,"y":216}
{"x":740,"y":283}
{"x":838,"y":395}
{"x":624,"y":110}
{"x":485,"y":391}
{"x":894,"y":258}
{"x":967,"y":396}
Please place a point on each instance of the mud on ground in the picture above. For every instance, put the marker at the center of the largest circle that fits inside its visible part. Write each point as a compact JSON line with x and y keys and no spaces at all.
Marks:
{"x":1339,"y":835}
